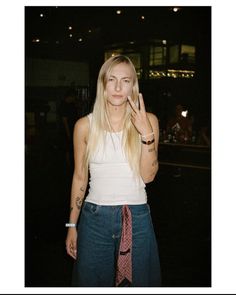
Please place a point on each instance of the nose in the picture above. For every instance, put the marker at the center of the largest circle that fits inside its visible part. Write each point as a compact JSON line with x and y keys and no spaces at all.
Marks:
{"x":118,"y":86}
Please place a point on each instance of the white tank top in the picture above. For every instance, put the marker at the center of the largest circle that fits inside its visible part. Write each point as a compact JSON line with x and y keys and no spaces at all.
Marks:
{"x":112,"y":182}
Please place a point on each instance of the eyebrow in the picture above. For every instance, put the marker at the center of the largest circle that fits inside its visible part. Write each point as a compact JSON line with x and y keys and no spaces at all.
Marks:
{"x":121,"y":78}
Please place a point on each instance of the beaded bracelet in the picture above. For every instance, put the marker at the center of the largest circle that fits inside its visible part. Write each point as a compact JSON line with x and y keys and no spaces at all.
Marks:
{"x":144,"y":136}
{"x":70,"y":225}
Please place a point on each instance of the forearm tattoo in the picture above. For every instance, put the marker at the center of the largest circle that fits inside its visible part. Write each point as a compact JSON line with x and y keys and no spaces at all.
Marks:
{"x":151,"y":150}
{"x":78,"y":202}
{"x":79,"y":199}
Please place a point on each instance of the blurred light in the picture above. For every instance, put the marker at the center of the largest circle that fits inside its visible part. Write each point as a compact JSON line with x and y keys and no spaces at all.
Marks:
{"x":164,"y":42}
{"x":36,"y":40}
{"x":70,"y":35}
{"x":143,"y":17}
{"x":41,"y":15}
{"x":131,"y":42}
{"x":184,"y":113}
{"x":80,"y":39}
{"x":118,"y":11}
{"x":70,"y":28}
{"x":175,"y":9}
{"x":171,"y":73}
{"x":90,"y":31}
{"x":57,"y":42}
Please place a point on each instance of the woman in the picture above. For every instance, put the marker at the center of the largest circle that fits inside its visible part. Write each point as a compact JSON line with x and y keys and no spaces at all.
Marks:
{"x":114,"y":242}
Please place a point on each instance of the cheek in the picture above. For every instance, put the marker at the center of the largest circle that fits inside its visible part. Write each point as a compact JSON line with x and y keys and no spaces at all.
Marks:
{"x":108,"y":89}
{"x":129,"y":89}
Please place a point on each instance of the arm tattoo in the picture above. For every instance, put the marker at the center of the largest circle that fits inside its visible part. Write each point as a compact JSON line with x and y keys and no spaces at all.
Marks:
{"x":78,"y":202}
{"x":82,"y":189}
{"x":151,"y":150}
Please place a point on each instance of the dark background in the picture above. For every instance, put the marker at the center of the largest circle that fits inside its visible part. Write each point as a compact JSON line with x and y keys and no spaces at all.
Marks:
{"x":180,"y":202}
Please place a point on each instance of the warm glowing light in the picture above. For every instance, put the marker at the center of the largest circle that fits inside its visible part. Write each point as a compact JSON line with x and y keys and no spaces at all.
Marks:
{"x":171,"y":73}
{"x":41,"y":15}
{"x":118,"y":11}
{"x":164,"y":42}
{"x":80,"y":39}
{"x":36,"y":40}
{"x":184,"y":113}
{"x":70,"y":35}
{"x":142,"y":17}
{"x":175,"y":9}
{"x":70,"y":27}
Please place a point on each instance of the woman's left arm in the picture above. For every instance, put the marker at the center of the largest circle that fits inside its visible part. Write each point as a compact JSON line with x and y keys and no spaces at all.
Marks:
{"x":149,"y":153}
{"x":148,"y":127}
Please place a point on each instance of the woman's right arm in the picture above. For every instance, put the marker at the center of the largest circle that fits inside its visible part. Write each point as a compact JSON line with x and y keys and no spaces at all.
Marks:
{"x":79,"y":182}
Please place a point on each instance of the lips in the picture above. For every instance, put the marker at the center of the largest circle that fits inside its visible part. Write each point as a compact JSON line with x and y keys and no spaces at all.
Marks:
{"x":117,"y":96}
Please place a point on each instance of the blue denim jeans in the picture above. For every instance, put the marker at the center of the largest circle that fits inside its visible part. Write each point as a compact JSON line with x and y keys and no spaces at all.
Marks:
{"x":99,"y":233}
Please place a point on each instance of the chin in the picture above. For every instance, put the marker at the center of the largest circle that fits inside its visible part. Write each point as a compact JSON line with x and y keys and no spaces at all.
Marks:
{"x":116,"y":103}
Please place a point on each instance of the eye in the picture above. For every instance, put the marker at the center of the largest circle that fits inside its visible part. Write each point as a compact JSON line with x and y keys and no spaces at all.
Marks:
{"x":127,"y":81}
{"x":111,"y":79}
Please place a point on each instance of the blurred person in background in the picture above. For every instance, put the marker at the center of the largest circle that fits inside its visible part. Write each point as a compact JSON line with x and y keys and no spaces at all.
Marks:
{"x":180,"y":125}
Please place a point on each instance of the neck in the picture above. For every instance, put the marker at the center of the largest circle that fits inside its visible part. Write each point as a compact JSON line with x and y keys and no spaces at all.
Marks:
{"x":116,"y":116}
{"x":116,"y":111}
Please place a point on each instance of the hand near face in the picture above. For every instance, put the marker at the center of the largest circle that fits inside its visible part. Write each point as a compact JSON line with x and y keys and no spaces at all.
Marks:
{"x":139,"y":117}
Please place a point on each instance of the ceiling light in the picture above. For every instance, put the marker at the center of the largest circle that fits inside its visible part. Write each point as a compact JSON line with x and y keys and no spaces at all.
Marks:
{"x":175,"y":9}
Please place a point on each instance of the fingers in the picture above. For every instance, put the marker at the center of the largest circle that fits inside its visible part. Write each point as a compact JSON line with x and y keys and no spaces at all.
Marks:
{"x":71,"y":249}
{"x":134,"y":106}
{"x":141,"y":102}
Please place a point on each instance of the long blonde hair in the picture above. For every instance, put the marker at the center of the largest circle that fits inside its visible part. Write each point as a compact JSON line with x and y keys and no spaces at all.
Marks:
{"x":100,"y":118}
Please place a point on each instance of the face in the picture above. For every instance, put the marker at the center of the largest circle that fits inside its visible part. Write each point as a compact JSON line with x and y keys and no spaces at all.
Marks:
{"x":119,"y":84}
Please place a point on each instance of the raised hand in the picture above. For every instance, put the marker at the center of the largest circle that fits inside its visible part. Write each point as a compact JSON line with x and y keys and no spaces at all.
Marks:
{"x":139,"y":117}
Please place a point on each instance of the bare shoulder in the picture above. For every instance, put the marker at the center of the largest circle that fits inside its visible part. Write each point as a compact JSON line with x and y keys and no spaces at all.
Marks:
{"x":82,"y":127}
{"x":153,"y":119}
